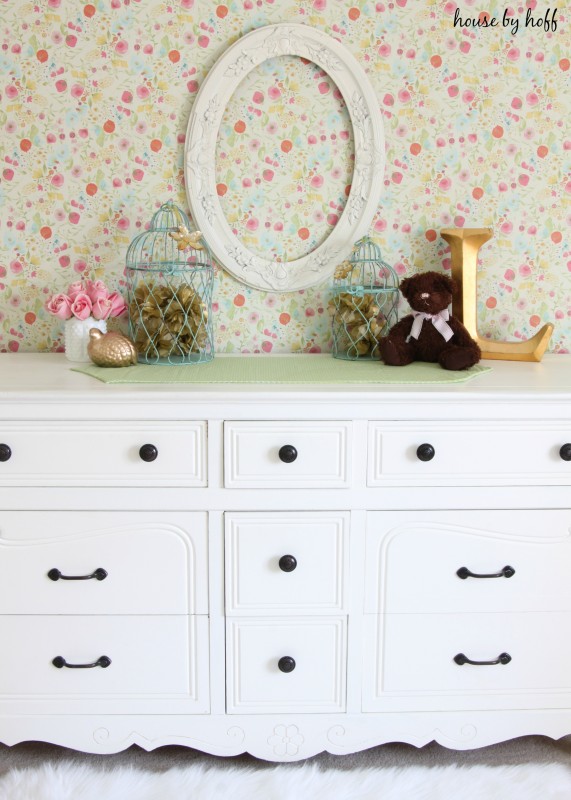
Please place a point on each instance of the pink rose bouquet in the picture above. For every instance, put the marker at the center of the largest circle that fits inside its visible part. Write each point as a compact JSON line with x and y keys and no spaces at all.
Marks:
{"x":89,"y":299}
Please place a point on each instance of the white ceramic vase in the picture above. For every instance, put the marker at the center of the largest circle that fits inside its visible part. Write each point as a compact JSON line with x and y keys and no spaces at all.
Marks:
{"x":77,"y":336}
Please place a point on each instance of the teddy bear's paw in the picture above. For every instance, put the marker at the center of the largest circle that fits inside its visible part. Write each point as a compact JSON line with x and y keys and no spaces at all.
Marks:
{"x":457,"y":358}
{"x":395,"y":354}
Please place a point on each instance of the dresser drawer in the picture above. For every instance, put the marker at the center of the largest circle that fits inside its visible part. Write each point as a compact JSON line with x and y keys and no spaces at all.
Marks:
{"x":290,"y":562}
{"x":468,"y":561}
{"x":259,"y":651}
{"x":141,"y":563}
{"x":483,"y":453}
{"x":104,"y":454}
{"x":287,"y":454}
{"x":414,"y":656}
{"x":156,"y":656}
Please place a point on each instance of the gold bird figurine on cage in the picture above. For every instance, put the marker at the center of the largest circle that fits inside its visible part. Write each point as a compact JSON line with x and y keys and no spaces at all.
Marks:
{"x":186,"y":238}
{"x":111,"y":349}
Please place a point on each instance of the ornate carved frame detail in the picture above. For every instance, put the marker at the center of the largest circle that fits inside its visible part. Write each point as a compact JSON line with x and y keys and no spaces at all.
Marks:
{"x":200,"y":174}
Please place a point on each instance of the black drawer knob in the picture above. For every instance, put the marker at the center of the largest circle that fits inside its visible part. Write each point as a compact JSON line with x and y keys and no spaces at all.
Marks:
{"x":287,"y":453}
{"x":565,"y":452}
{"x":287,"y":563}
{"x":6,"y":452}
{"x":148,"y":452}
{"x":286,"y":664}
{"x":425,"y":452}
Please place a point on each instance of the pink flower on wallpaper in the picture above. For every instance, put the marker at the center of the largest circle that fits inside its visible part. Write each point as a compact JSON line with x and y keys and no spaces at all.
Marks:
{"x":320,"y":5}
{"x":252,"y":224}
{"x":532,"y":98}
{"x":274,"y":93}
{"x":384,"y":50}
{"x":317,"y":181}
{"x":142,"y":92}
{"x":524,"y":270}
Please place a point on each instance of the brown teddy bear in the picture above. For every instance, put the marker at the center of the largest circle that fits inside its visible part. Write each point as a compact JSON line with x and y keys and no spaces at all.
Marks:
{"x":430,"y":333}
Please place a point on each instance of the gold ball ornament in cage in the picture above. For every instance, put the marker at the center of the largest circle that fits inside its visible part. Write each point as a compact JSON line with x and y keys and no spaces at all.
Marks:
{"x":171,"y":318}
{"x":362,"y":319}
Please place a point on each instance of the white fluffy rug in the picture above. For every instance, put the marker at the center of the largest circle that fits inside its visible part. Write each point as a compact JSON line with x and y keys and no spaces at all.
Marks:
{"x":69,"y":781}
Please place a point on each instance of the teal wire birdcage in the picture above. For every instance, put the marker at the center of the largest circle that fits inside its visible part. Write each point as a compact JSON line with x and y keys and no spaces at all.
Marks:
{"x":169,"y":285}
{"x":364,"y":303}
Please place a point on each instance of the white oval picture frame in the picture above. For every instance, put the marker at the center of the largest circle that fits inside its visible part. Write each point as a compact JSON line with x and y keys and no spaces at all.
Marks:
{"x":200,"y":156}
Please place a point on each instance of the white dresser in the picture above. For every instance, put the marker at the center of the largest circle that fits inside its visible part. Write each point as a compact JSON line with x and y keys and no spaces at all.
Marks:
{"x":284,"y":570}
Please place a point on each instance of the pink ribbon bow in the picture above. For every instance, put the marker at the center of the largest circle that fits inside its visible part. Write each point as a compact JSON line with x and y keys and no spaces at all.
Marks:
{"x":440,"y":322}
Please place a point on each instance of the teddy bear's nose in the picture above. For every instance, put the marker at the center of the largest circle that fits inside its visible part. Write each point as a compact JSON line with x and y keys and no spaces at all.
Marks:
{"x":424,"y":295}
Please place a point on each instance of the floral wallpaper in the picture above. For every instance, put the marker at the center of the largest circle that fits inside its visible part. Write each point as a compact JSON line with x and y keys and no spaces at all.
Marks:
{"x":95,"y":99}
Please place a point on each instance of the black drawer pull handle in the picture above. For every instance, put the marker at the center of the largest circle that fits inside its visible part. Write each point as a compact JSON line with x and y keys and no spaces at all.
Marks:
{"x":5,"y":452}
{"x":564,"y":452}
{"x":286,"y":664}
{"x":506,"y":572}
{"x":148,"y":452}
{"x":425,"y":452}
{"x":287,"y":453}
{"x":99,"y":575}
{"x":287,"y":563}
{"x":503,"y":658}
{"x":102,"y":661}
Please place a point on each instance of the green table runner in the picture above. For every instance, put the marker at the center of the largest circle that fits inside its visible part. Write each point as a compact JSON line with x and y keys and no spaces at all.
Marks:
{"x":309,"y":369}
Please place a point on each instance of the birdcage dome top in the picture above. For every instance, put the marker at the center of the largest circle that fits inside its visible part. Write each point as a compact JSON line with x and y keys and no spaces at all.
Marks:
{"x":168,"y":218}
{"x":160,"y":246}
{"x":366,"y":269}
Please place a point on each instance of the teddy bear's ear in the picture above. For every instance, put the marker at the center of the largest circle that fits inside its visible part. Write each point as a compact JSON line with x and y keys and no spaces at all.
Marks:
{"x":446,"y":284}
{"x":405,"y":286}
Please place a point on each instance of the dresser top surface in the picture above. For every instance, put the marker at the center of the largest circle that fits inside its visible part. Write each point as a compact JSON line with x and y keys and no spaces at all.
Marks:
{"x":32,"y":376}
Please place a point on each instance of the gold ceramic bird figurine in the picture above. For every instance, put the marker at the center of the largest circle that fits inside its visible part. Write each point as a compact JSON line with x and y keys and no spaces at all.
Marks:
{"x":111,"y":349}
{"x":186,"y":238}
